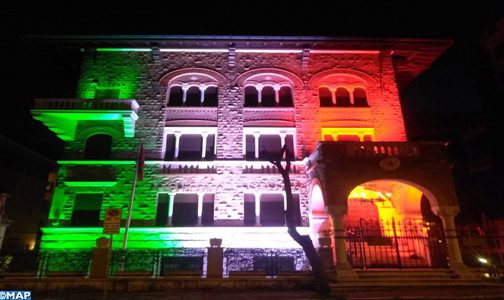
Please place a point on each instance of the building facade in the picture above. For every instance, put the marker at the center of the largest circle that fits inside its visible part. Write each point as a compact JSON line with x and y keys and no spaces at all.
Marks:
{"x":213,"y":111}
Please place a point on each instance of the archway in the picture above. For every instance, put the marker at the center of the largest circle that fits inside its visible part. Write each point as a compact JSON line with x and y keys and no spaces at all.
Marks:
{"x":386,"y":226}
{"x":320,"y":222}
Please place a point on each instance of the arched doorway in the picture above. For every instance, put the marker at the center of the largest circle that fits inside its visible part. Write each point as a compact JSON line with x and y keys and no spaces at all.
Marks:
{"x":386,"y":227}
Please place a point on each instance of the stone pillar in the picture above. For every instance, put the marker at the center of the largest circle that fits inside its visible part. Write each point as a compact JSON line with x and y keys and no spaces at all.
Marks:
{"x":204,"y":137}
{"x":100,"y":259}
{"x":177,"y":144}
{"x":277,"y":94}
{"x":170,"y":208}
{"x":185,"y":87}
{"x":333,"y":95}
{"x":202,"y":94}
{"x":215,"y":259}
{"x":256,"y":145}
{"x":447,"y":215}
{"x":350,"y":91}
{"x":257,"y":197}
{"x":200,"y":207}
{"x":259,"y":94}
{"x":343,"y":269}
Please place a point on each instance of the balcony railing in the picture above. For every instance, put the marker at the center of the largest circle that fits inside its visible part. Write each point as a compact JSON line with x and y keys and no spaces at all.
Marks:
{"x":432,"y":151}
{"x":86,"y":104}
{"x":200,"y":115}
{"x":269,"y":116}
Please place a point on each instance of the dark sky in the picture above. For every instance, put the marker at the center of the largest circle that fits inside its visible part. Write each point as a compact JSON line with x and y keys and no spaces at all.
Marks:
{"x":32,"y":72}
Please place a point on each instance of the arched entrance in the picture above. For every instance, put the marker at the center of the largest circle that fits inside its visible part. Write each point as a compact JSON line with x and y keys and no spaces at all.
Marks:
{"x":386,"y":227}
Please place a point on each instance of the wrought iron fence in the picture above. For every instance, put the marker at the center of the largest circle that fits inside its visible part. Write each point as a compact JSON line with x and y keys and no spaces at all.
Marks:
{"x":393,"y":244}
{"x":269,"y":262}
{"x":159,"y":262}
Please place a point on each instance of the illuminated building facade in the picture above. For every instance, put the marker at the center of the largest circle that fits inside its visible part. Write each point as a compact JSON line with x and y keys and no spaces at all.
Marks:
{"x":212,"y":111}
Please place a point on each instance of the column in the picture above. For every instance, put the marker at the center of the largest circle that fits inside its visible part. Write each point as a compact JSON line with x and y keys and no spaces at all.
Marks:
{"x":333,"y":95}
{"x":256,"y":144}
{"x":350,"y":91}
{"x":447,"y":215}
{"x":177,"y":144}
{"x":259,"y":94}
{"x":200,"y":207}
{"x":277,"y":94}
{"x":204,"y":136}
{"x":343,"y":269}
{"x":185,"y":87}
{"x":170,"y":208}
{"x":202,"y":89}
{"x":257,"y":197}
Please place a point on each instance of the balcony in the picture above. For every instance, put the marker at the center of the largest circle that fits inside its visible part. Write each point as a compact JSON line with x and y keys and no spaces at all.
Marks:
{"x":334,"y":151}
{"x":191,"y":116}
{"x":269,"y":116}
{"x":347,"y":116}
{"x":62,"y":115}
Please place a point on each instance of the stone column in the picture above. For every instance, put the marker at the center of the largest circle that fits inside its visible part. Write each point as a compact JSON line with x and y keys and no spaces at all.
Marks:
{"x":177,"y":144}
{"x":185,"y":87}
{"x":343,"y":269}
{"x":282,"y":141}
{"x":256,"y":145}
{"x":200,"y":207}
{"x":259,"y":94}
{"x":350,"y":91}
{"x":333,"y":95}
{"x":277,"y":94}
{"x":204,"y":136}
{"x":257,"y":197}
{"x":100,"y":259}
{"x":447,"y":215}
{"x":202,"y":89}
{"x":170,"y":208}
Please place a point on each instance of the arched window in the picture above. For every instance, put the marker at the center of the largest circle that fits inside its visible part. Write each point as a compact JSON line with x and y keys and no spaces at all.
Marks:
{"x":176,"y":95}
{"x":285,"y":95}
{"x":193,"y":96}
{"x":268,"y":97}
{"x":211,"y":97}
{"x":98,"y":147}
{"x":325,"y":97}
{"x":360,"y":98}
{"x":342,"y":97}
{"x":251,"y":96}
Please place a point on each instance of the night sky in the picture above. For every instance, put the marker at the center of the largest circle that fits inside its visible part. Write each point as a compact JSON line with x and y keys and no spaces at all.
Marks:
{"x":455,"y":97}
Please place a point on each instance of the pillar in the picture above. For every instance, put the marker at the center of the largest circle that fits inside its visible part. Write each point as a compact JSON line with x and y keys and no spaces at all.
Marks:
{"x":256,"y":144}
{"x":333,"y":95}
{"x":257,"y":197}
{"x":447,"y":215}
{"x":200,"y":207}
{"x":185,"y":87}
{"x":215,"y":259}
{"x":202,"y":94}
{"x":170,"y":208}
{"x":203,"y":144}
{"x":343,"y":269}
{"x":282,"y":141}
{"x":100,"y":259}
{"x":277,"y":94}
{"x":350,"y":91}
{"x":177,"y":144}
{"x":259,"y":94}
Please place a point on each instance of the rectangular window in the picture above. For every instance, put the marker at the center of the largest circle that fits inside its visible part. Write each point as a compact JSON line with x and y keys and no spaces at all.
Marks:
{"x":269,"y":147}
{"x":210,"y":147}
{"x":249,"y":213}
{"x":207,"y":216}
{"x":190,"y":147}
{"x":272,"y":210}
{"x":185,"y":210}
{"x":162,"y":209}
{"x":170,"y":147}
{"x":86,"y":212}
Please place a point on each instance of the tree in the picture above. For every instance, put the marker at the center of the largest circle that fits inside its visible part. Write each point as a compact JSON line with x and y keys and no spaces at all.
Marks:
{"x":318,"y":268}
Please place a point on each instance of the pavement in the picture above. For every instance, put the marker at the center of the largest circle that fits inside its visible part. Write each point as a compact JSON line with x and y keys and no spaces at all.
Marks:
{"x":410,"y":293}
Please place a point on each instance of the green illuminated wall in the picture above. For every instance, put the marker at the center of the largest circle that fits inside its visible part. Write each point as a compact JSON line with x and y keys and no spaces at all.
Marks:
{"x":121,"y":70}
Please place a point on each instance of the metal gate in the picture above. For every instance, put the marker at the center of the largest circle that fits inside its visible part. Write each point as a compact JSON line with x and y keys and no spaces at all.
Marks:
{"x":393,"y":244}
